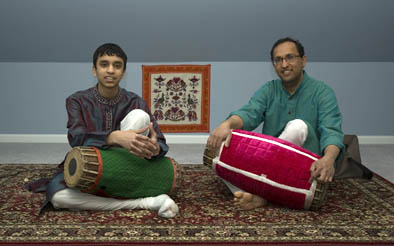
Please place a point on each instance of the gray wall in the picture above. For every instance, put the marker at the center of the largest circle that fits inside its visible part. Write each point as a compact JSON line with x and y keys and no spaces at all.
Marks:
{"x":46,"y":48}
{"x":32,"y":98}
{"x":195,"y":30}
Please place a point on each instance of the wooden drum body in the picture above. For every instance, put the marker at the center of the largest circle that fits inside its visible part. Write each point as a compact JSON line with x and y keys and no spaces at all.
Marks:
{"x":272,"y":168}
{"x":115,"y":172}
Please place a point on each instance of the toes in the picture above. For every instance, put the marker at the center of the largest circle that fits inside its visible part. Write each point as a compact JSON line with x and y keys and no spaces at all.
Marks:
{"x":247,"y":197}
{"x":238,"y":194}
{"x":158,"y":201}
{"x":248,"y":201}
{"x":169,"y":209}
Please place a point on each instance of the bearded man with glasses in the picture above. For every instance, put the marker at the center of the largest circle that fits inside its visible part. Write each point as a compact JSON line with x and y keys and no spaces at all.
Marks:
{"x":296,"y":108}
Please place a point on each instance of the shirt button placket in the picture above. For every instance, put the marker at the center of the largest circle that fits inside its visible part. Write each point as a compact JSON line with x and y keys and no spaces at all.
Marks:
{"x":291,"y":109}
{"x":108,"y":115}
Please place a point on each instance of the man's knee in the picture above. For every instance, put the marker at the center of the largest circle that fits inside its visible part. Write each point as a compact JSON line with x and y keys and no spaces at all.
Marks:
{"x":296,"y":131}
{"x":298,"y":125}
{"x":135,"y":120}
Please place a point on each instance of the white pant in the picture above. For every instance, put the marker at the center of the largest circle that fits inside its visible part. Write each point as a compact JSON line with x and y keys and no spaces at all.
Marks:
{"x":135,"y":120}
{"x":296,"y":132}
{"x":76,"y":200}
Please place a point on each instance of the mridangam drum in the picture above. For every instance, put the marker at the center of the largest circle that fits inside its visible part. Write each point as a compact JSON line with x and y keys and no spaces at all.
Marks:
{"x":272,"y":168}
{"x":115,"y":172}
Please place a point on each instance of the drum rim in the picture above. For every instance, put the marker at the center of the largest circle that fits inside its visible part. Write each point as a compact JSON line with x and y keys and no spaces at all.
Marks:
{"x":79,"y":153}
{"x":175,"y":179}
{"x":72,"y":180}
{"x":99,"y":171}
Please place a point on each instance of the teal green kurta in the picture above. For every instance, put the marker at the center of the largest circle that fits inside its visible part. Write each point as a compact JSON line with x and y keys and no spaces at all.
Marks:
{"x":313,"y":102}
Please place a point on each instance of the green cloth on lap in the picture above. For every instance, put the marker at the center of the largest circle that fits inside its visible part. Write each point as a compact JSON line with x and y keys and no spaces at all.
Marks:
{"x":127,"y":176}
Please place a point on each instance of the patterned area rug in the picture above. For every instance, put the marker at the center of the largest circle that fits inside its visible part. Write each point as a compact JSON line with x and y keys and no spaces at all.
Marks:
{"x":357,"y":212}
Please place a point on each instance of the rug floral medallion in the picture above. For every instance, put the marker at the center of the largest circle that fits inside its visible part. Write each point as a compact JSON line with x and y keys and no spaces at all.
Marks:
{"x":357,"y":212}
{"x":178,"y":96}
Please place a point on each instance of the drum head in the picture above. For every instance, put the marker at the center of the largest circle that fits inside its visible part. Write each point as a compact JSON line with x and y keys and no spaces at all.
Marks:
{"x":319,"y":196}
{"x":73,"y":167}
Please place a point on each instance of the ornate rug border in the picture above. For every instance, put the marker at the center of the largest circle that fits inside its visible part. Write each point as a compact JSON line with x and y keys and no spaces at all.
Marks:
{"x":183,"y":239}
{"x":317,"y":243}
{"x":205,"y":70}
{"x":181,"y":243}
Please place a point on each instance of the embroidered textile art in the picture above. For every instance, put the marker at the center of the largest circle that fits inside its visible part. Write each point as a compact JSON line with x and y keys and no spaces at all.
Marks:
{"x":178,"y":96}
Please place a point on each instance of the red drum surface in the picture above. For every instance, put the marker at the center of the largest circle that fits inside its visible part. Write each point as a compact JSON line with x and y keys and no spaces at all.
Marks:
{"x":272,"y":168}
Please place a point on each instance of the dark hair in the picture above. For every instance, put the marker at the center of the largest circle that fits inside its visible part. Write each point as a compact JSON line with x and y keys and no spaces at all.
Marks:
{"x":109,"y":49}
{"x":297,"y":43}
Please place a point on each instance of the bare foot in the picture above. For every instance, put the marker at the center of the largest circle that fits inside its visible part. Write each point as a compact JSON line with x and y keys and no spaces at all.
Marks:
{"x":168,"y":209}
{"x":248,"y":201}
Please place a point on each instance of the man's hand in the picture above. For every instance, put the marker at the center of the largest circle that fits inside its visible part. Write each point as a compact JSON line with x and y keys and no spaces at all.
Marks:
{"x":144,"y":146}
{"x":222,"y":132}
{"x":323,"y":169}
{"x":139,"y":145}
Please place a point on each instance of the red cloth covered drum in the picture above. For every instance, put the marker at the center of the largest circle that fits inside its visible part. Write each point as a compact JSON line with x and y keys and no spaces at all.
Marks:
{"x":272,"y":168}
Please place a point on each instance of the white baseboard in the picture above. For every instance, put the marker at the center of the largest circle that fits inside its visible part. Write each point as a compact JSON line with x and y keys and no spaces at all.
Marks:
{"x":33,"y":138}
{"x":186,"y":139}
{"x":171,"y":139}
{"x":376,"y":139}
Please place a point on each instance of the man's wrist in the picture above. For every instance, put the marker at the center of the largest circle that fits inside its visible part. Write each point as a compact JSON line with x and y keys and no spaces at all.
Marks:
{"x":329,"y":158}
{"x":235,"y":122}
{"x":112,"y":137}
{"x":226,"y":124}
{"x":158,"y":150}
{"x":331,"y":152}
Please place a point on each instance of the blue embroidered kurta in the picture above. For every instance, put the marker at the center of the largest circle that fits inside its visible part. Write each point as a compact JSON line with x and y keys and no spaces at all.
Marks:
{"x":91,"y":117}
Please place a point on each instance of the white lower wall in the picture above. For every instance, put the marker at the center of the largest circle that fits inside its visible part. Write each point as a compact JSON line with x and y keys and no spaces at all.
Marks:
{"x":171,"y":139}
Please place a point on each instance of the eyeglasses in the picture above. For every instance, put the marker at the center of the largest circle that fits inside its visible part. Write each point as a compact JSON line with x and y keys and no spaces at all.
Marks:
{"x":288,"y":58}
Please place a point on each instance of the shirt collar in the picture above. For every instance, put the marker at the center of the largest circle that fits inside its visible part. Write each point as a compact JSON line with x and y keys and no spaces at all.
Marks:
{"x":104,"y":100}
{"x":304,"y":80}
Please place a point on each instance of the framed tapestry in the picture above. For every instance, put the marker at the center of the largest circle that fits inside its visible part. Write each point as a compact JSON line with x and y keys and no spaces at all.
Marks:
{"x":178,"y":96}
